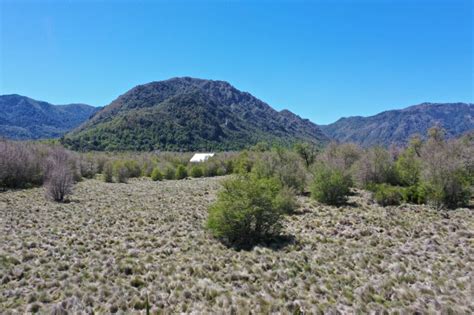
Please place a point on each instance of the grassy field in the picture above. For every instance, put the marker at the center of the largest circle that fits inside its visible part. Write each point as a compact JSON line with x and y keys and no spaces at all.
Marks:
{"x":113,"y":245}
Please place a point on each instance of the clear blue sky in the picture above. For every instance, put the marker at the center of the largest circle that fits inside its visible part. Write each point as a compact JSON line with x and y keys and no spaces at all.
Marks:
{"x":320,"y":59}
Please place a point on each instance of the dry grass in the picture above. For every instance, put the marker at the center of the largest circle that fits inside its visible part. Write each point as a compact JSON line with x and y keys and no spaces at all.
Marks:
{"x":115,"y":243}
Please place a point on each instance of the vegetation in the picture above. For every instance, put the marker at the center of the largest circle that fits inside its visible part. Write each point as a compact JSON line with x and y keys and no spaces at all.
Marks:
{"x":196,"y":171}
{"x":59,"y":177}
{"x":22,"y":118}
{"x":248,"y":210}
{"x":186,"y":114}
{"x":361,"y":258}
{"x":181,"y":172}
{"x":156,"y":174}
{"x":330,"y":186}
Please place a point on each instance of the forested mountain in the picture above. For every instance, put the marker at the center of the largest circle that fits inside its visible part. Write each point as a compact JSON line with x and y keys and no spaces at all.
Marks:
{"x":189,"y":114}
{"x":397,"y":126}
{"x":23,"y":118}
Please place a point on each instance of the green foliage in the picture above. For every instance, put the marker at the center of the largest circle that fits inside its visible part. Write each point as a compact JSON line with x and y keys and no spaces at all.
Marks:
{"x":185,"y":115}
{"x":415,"y":193}
{"x":243,"y":163}
{"x":181,"y":172}
{"x":133,"y":169}
{"x":408,"y":167}
{"x":284,"y":165}
{"x":452,"y":192}
{"x":248,"y":210}
{"x":196,"y":171}
{"x":446,"y":171}
{"x":330,"y":185}
{"x":170,"y":172}
{"x":156,"y":174}
{"x":108,"y":172}
{"x":306,"y":151}
{"x":387,"y":195}
{"x":120,"y":171}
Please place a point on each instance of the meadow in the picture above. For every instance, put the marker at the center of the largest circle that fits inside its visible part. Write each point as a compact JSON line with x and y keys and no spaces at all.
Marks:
{"x":342,"y":229}
{"x":113,"y":246}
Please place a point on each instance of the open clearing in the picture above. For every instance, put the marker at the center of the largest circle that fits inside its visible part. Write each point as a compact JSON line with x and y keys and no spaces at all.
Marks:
{"x":114,"y":244}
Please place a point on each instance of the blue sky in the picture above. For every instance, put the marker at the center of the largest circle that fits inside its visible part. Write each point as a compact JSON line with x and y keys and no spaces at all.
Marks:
{"x":321,"y":59}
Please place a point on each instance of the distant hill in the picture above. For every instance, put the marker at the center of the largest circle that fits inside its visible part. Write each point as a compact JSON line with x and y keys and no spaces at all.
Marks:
{"x":397,"y":126}
{"x":189,"y":114}
{"x":23,"y":118}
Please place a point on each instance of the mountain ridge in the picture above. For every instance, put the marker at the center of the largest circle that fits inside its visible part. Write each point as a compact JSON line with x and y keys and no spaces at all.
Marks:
{"x":24,"y":118}
{"x":398,"y":125}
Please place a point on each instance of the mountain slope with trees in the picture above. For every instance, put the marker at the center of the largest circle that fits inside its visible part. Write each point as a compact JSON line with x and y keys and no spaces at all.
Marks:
{"x":23,"y":118}
{"x":189,"y":114}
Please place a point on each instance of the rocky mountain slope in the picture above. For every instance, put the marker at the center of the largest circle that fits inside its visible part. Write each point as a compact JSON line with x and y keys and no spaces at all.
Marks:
{"x":397,"y":126}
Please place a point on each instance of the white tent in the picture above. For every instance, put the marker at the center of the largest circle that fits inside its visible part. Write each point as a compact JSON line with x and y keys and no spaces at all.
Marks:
{"x":201,"y":157}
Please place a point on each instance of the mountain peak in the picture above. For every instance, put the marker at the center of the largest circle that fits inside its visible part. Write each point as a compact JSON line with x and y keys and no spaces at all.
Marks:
{"x":189,"y":114}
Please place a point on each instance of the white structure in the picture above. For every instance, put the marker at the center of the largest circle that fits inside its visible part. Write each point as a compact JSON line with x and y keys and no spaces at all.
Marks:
{"x":201,"y":157}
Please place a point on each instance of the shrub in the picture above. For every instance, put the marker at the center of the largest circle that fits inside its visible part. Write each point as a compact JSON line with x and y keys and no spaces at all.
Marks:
{"x":386,"y":195}
{"x":21,"y":164}
{"x":133,"y":169}
{"x":181,"y":172}
{"x":88,"y":166}
{"x":307,"y":152}
{"x":446,"y":173}
{"x":415,"y":194}
{"x":408,"y":167}
{"x":375,"y":167}
{"x":248,"y":210}
{"x":156,"y":174}
{"x":108,"y":172}
{"x":196,"y":171}
{"x":283,"y":165}
{"x":120,"y":172}
{"x":330,"y":186}
{"x":59,"y":178}
{"x":243,"y":163}
{"x":169,"y":172}
{"x":210,"y":169}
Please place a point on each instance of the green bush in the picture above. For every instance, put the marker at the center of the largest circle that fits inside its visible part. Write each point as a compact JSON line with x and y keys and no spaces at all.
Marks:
{"x":330,"y":186}
{"x":156,"y":174}
{"x":196,"y":171}
{"x":120,"y":172}
{"x":283,"y":165}
{"x":170,"y":172}
{"x":386,"y":195}
{"x":181,"y":172}
{"x":452,"y":192}
{"x":408,"y":168}
{"x":210,"y":169}
{"x":108,"y":172}
{"x":248,"y":210}
{"x":133,"y":169}
{"x":415,"y":193}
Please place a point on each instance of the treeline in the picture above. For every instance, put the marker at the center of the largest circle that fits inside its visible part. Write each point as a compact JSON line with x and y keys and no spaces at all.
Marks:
{"x":29,"y":164}
{"x":435,"y":171}
{"x":250,"y":206}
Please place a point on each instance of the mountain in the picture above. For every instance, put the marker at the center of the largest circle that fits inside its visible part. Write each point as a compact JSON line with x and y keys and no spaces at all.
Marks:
{"x":189,"y":114}
{"x":23,"y":118}
{"x":397,"y":126}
